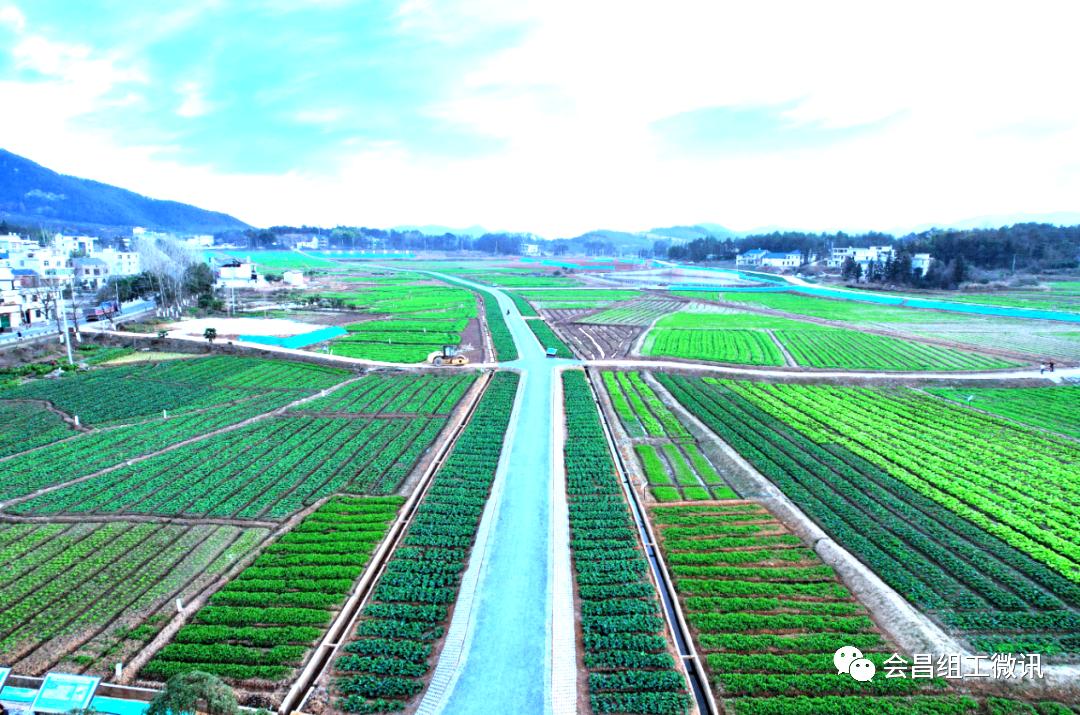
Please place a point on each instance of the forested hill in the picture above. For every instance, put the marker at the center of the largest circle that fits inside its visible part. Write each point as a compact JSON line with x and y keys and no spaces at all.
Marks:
{"x":30,"y":194}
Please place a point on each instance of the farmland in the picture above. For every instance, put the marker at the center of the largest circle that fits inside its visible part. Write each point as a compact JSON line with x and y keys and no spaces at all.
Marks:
{"x":78,"y":596}
{"x":671,"y":460}
{"x":24,"y":426}
{"x":382,"y":664}
{"x":409,"y":319}
{"x":271,"y":468}
{"x":626,"y":649}
{"x":768,"y":614}
{"x":751,"y":339}
{"x":1000,"y":582}
{"x":638,"y":312}
{"x":548,"y":339}
{"x":262,"y":625}
{"x":1052,"y":408}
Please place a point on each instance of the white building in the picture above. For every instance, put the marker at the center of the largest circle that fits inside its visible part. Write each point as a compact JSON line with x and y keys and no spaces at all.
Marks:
{"x":90,"y":273}
{"x":921,"y":262}
{"x":862,"y":256}
{"x":120,"y":263}
{"x":239,"y":274}
{"x":786,"y":259}
{"x":294,"y":278}
{"x":68,"y":245}
{"x":20,"y":299}
{"x":530,"y":249}
{"x":750,"y":258}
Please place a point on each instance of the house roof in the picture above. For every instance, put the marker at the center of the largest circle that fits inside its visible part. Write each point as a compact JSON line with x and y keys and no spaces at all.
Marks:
{"x":788,"y":254}
{"x":23,"y":272}
{"x":754,"y":252}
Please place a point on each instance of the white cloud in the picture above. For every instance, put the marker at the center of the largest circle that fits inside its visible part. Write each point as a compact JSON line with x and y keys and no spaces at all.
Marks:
{"x":193,"y":102}
{"x":13,"y":17}
{"x":982,"y":120}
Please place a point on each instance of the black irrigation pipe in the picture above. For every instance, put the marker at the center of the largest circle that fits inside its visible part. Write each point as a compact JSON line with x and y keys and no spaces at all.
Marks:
{"x":695,"y":673}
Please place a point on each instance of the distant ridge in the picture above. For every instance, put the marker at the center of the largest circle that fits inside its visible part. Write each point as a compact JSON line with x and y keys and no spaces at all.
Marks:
{"x":31,"y":195}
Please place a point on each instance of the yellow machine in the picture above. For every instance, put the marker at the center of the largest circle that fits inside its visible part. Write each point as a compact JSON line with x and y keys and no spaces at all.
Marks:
{"x":449,"y":355}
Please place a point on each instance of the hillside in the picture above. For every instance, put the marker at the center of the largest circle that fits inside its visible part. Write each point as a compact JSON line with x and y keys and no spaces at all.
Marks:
{"x":32,"y":194}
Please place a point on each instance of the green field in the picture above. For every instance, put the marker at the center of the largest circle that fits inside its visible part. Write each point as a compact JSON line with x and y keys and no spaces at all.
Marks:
{"x":411,"y":320}
{"x":672,"y":461}
{"x":82,"y":596}
{"x":1053,"y":408}
{"x":978,"y":533}
{"x":753,"y":339}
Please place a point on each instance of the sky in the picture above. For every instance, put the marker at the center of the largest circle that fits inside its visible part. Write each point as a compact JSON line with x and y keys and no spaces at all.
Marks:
{"x":556,"y":117}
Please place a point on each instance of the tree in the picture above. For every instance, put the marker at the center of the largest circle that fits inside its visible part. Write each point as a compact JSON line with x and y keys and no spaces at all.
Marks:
{"x":210,"y":334}
{"x":195,"y":692}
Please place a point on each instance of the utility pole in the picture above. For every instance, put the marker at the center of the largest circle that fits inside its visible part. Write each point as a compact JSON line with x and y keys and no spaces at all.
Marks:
{"x":63,"y":316}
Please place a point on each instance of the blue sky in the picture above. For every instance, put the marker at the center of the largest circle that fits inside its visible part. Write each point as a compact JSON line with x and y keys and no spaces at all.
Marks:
{"x":554,"y":117}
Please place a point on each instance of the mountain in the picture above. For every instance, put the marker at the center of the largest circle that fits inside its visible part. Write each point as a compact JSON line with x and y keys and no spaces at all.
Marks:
{"x":689,"y":233}
{"x":32,"y":195}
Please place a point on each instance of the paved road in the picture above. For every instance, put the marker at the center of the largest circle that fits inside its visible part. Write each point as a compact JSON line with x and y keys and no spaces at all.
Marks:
{"x":498,"y":653}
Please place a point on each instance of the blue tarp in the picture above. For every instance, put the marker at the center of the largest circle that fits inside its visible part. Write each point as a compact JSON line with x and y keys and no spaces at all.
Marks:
{"x":297,"y":341}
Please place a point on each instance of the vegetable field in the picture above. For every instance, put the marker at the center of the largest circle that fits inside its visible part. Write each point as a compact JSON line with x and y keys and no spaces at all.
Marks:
{"x":631,"y":669}
{"x":412,"y":321}
{"x":501,"y":340}
{"x":768,"y":615}
{"x":394,"y":393}
{"x":639,"y":312}
{"x":133,"y":393}
{"x":25,"y":425}
{"x":82,"y":596}
{"x":383,"y":665}
{"x":751,"y":339}
{"x":1053,"y":408}
{"x":262,"y":625}
{"x":266,"y":470}
{"x":672,"y":461}
{"x":548,"y":339}
{"x":957,"y":524}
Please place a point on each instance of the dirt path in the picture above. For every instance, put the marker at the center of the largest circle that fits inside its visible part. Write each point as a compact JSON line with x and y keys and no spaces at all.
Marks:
{"x":788,"y":359}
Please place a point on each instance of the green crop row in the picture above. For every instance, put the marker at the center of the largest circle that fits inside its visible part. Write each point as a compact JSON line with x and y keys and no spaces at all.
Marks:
{"x":246,"y":632}
{"x":388,"y":657}
{"x":501,"y":339}
{"x":623,"y":631}
{"x":548,"y":339}
{"x":926,"y":550}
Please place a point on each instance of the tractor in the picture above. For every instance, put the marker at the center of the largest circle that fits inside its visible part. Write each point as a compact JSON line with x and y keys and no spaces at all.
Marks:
{"x":449,"y":355}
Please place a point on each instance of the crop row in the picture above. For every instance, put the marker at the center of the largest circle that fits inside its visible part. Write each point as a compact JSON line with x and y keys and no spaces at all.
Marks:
{"x":135,"y":392}
{"x":268,"y":469}
{"x":765,"y":629}
{"x":24,"y":426}
{"x":385,"y":663}
{"x":674,"y":466}
{"x":940,"y":561}
{"x":743,"y":347}
{"x":418,"y":319}
{"x":548,"y":339}
{"x":833,"y":348}
{"x":501,"y":339}
{"x":626,"y":651}
{"x":396,"y":393}
{"x":1052,"y":408}
{"x":640,"y":312}
{"x":1021,"y":485}
{"x":69,"y":584}
{"x":261,"y":626}
{"x":92,"y":452}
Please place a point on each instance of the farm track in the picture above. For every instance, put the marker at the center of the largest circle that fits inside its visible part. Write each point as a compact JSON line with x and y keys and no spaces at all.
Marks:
{"x":789,"y":361}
